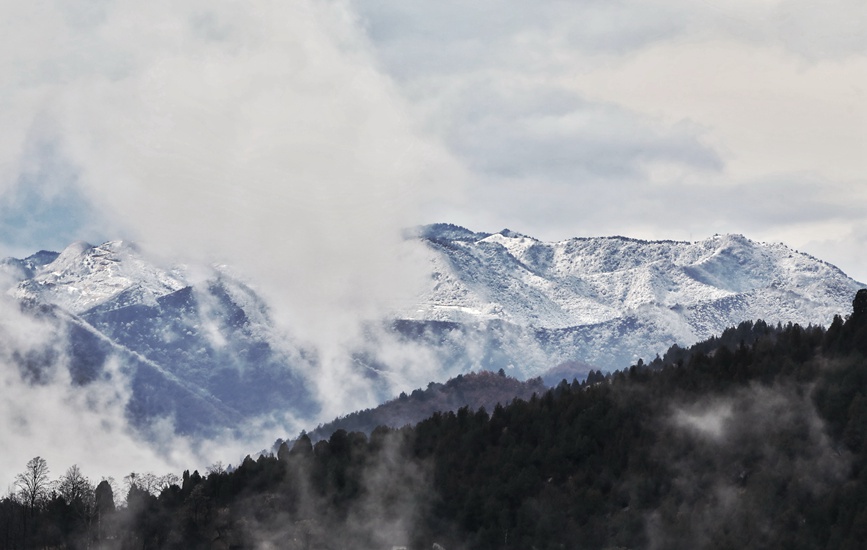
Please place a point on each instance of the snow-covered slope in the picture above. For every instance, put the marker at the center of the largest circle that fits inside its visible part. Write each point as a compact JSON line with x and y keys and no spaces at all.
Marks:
{"x":204,"y":354}
{"x":610,"y":300}
{"x":84,"y":276}
{"x":203,"y":351}
{"x":13,"y":270}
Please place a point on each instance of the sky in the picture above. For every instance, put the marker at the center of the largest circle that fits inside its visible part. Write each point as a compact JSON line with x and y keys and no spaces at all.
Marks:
{"x":296,"y":139}
{"x":660,"y":119}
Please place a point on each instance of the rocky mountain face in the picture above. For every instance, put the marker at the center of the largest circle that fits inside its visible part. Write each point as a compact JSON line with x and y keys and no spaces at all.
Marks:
{"x":202,"y":355}
{"x":203,"y":352}
{"x":530,"y":305}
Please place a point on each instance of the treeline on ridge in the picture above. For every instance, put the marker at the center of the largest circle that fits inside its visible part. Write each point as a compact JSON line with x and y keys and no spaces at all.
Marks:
{"x":755,"y":439}
{"x":475,"y":389}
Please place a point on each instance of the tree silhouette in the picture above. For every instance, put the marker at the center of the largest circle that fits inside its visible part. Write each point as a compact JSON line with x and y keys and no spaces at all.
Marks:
{"x":74,"y":486}
{"x":33,"y":483}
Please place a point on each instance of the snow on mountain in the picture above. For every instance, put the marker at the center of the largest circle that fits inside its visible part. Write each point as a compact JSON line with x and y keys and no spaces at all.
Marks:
{"x":19,"y":270}
{"x":203,"y":351}
{"x":610,"y":300}
{"x":85,"y":276}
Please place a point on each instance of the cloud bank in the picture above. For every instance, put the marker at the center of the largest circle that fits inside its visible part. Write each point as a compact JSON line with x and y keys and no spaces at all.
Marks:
{"x":661,"y":119}
{"x":258,"y":135}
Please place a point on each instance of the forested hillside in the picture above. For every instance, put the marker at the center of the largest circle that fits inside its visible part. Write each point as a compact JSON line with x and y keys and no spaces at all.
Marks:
{"x":755,"y":439}
{"x":474,"y":390}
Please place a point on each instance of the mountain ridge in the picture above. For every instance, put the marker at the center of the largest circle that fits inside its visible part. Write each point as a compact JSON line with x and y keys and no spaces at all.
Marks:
{"x":493,"y":301}
{"x":200,"y":354}
{"x":475,"y":390}
{"x":677,"y":291}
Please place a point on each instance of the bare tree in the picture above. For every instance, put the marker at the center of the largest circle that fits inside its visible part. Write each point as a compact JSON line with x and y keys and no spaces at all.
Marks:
{"x":129,"y":481}
{"x":217,"y":468}
{"x":73,"y":485}
{"x":149,"y":482}
{"x":167,"y":481}
{"x":78,"y":492}
{"x":33,"y":483}
{"x":33,"y":486}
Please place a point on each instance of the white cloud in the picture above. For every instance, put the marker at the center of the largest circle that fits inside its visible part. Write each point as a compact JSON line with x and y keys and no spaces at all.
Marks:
{"x":169,"y":107}
{"x":44,"y":415}
{"x":767,"y":111}
{"x":710,"y":422}
{"x":771,"y":91}
{"x":260,"y":135}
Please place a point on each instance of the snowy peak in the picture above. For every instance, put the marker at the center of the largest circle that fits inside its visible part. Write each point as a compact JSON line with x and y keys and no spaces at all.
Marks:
{"x":19,"y":270}
{"x":609,"y":300}
{"x":444,"y":232}
{"x":737,"y":265}
{"x":84,"y":276}
{"x":494,"y":300}
{"x":198,"y":350}
{"x":517,"y":245}
{"x":581,"y":281}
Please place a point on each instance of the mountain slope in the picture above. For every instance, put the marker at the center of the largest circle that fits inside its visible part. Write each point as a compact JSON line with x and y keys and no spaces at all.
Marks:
{"x":609,"y":300}
{"x":202,"y":355}
{"x":474,"y":390}
{"x":204,"y":352}
{"x":753,"y":440}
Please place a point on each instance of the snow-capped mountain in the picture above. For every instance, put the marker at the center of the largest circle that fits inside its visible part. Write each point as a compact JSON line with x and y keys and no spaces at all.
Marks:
{"x":83,"y":277}
{"x":204,"y":352}
{"x":610,"y":300}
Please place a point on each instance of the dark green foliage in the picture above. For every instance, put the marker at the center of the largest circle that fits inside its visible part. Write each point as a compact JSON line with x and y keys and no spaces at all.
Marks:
{"x":755,"y":439}
{"x":482,"y":389}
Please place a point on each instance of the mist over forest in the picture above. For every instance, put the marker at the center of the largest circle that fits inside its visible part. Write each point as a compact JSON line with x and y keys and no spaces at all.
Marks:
{"x":266,"y":179}
{"x":756,"y":438}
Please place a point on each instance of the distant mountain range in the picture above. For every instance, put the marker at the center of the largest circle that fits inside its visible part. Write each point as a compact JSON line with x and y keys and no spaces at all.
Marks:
{"x":203,"y":354}
{"x":204,"y":351}
{"x":608,"y":301}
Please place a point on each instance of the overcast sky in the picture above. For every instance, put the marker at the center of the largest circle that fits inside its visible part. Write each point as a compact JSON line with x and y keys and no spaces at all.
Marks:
{"x":295,"y":139}
{"x":236,"y":128}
